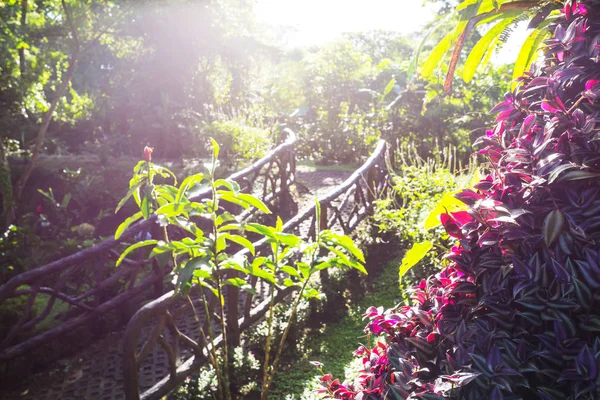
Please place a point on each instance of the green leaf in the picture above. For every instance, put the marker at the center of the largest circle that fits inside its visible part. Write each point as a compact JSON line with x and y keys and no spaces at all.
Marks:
{"x":65,"y":201}
{"x":261,"y":229}
{"x":229,"y":184}
{"x":215,"y":147}
{"x":145,"y":206}
{"x":130,"y":192}
{"x":484,"y":46}
{"x":415,"y":59}
{"x":290,"y":271}
{"x":345,"y":242}
{"x":448,"y":203}
{"x":553,"y":226}
{"x":254,"y":202}
{"x":231,"y":227}
{"x":242,"y":241}
{"x":437,"y":54}
{"x":287,"y":282}
{"x":224,"y":218}
{"x":287,"y":239}
{"x":134,"y":247}
{"x":232,"y":198}
{"x":187,"y":183}
{"x":125,"y":224}
{"x":304,"y":269}
{"x":201,"y":267}
{"x":184,"y":276}
{"x":528,"y":51}
{"x":261,"y":273}
{"x":389,"y":87}
{"x":311,"y":293}
{"x":416,"y":253}
{"x":172,"y":210}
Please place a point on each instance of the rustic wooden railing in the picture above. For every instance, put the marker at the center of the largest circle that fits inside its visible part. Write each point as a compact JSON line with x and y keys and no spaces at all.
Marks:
{"x":89,"y":284}
{"x":341,"y":209}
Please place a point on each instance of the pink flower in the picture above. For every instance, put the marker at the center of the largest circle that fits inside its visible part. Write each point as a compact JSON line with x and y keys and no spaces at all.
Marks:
{"x":148,"y":153}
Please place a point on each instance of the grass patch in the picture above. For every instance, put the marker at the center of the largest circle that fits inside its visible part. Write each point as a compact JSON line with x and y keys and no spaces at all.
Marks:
{"x":334,"y":344}
{"x":311,"y":166}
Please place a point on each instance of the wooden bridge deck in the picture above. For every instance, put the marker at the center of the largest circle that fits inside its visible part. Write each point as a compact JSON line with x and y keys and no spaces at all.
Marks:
{"x":97,"y":373}
{"x":113,"y":367}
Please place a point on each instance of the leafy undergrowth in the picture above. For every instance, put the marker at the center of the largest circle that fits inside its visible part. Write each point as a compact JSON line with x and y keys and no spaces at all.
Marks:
{"x":334,"y":343}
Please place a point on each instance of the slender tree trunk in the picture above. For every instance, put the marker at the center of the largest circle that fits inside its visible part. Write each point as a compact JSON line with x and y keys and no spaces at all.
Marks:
{"x":41,"y":136}
{"x":8,"y":209}
{"x":22,"y":65}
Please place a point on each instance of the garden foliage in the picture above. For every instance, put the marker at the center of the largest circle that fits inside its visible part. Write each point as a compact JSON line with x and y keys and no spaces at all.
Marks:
{"x":515,"y":313}
{"x":199,"y":233}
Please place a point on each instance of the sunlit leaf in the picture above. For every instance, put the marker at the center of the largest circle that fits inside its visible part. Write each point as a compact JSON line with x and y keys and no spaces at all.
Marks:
{"x":125,"y":224}
{"x":416,"y":253}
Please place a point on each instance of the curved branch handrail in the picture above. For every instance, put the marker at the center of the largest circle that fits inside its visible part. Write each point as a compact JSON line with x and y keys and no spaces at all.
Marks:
{"x":50,"y":279}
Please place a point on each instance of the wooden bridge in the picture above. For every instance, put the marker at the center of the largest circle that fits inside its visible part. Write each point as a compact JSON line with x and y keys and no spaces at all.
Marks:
{"x":160,"y":345}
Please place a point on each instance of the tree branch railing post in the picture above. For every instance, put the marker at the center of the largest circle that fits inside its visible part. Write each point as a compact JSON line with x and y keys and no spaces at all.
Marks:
{"x":104,"y":290}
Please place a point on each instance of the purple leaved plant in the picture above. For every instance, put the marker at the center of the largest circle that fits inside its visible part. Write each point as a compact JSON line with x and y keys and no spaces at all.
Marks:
{"x":516,"y":314}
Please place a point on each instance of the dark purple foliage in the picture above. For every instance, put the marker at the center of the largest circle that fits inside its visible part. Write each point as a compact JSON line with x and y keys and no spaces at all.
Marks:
{"x":516,"y":314}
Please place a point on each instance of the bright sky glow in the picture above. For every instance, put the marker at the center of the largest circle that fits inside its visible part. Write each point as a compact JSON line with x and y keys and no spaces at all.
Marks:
{"x":318,"y":21}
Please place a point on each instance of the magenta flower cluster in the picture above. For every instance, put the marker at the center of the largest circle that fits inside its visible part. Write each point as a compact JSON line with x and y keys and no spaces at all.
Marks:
{"x":516,"y":313}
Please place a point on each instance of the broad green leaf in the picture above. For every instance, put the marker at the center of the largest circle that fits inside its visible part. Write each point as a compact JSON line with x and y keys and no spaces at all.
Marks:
{"x":389,"y":87}
{"x":221,"y":244}
{"x":287,"y":239}
{"x":415,"y":59}
{"x":164,"y":172}
{"x":130,"y":192}
{"x":416,"y":253}
{"x":448,"y":203}
{"x":201,"y":267}
{"x":317,"y":218}
{"x":261,"y":229}
{"x":237,"y":282}
{"x":184,"y":276}
{"x":528,"y":51}
{"x":287,"y":282}
{"x":347,"y":243}
{"x":483,"y":47}
{"x":172,"y":210}
{"x":187,"y":183}
{"x":242,"y":284}
{"x":229,"y":184}
{"x":261,"y":273}
{"x":125,"y":224}
{"x":145,"y":206}
{"x":311,"y":293}
{"x":437,"y":54}
{"x":290,"y":271}
{"x":553,"y":226}
{"x":304,"y":269}
{"x":134,"y":247}
{"x":215,"y":147}
{"x":224,"y":218}
{"x":242,"y":241}
{"x":65,"y":201}
{"x":254,"y":202}
{"x":231,"y":227}
{"x":232,"y":198}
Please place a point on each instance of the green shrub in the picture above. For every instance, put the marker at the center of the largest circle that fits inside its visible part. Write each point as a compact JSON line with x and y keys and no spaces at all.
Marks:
{"x":238,"y":141}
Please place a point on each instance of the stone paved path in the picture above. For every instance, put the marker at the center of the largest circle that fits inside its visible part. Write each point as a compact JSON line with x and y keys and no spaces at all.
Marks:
{"x":97,"y":373}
